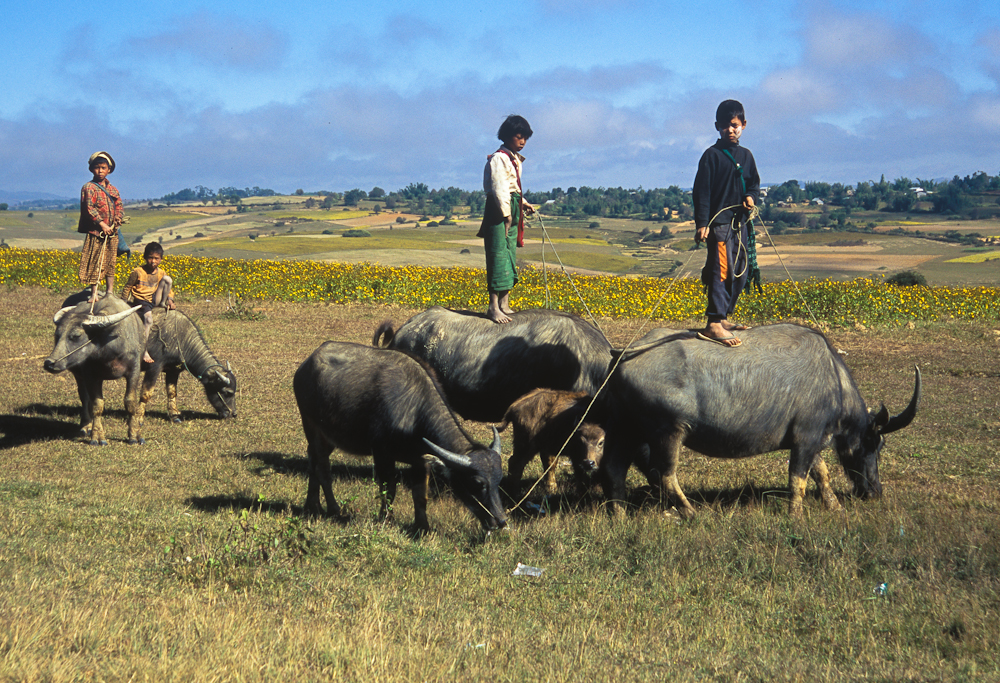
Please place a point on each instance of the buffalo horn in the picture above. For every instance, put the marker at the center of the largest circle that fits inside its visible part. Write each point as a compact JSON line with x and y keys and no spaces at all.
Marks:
{"x":60,"y":313}
{"x":221,"y":377}
{"x":450,"y":458}
{"x":496,"y":441}
{"x":897,"y":422}
{"x":108,"y":320}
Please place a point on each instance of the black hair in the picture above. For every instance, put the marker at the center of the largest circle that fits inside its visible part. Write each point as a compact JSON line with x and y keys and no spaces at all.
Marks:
{"x":99,"y":160}
{"x":152,"y":248}
{"x":729,"y":110}
{"x":511,"y":126}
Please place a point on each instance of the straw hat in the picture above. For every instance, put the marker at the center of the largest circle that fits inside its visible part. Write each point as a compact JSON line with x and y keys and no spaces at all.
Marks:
{"x":106,"y":157}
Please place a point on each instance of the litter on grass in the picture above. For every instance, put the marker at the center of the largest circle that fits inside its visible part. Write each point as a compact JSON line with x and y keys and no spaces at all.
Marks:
{"x":525,"y":570}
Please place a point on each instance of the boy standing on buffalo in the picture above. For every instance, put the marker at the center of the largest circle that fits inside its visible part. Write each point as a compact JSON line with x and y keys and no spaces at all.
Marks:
{"x":726,"y":189}
{"x":100,"y":215}
{"x":502,"y":229}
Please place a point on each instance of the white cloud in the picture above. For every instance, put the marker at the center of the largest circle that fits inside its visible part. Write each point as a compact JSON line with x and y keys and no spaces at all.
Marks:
{"x":219,"y":40}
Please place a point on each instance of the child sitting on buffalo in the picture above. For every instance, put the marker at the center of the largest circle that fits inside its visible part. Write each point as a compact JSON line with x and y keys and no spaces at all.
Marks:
{"x":149,"y":286}
{"x":502,"y":229}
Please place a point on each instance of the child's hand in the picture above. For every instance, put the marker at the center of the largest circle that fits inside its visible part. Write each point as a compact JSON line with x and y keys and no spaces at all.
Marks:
{"x":748,"y":203}
{"x":528,"y":209}
{"x":701,"y":234}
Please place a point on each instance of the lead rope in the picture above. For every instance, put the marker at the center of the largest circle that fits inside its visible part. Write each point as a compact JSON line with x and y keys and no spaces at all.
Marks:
{"x":614,"y":366}
{"x":754,"y":214}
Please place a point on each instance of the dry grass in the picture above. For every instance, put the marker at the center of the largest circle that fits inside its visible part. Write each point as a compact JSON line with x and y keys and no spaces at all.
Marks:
{"x":96,"y":584}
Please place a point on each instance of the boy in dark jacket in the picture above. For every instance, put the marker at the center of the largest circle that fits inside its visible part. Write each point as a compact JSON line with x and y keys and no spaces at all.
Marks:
{"x":726,"y":189}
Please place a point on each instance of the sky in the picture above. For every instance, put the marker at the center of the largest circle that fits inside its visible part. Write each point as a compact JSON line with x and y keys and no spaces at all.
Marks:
{"x":619,"y":93}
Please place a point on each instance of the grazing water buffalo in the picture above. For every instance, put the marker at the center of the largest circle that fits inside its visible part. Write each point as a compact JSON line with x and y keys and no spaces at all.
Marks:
{"x":175,"y":344}
{"x":105,"y":345}
{"x":544,"y":421}
{"x":387,"y":405}
{"x":783,"y":388}
{"x":484,"y":367}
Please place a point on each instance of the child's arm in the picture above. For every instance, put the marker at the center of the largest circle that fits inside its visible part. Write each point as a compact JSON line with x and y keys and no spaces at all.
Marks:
{"x":701,"y":194}
{"x":752,"y":178}
{"x":133,"y":279}
{"x":499,"y":184}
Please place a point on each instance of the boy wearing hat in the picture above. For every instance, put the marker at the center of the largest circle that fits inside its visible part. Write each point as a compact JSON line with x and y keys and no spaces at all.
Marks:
{"x":100,"y":215}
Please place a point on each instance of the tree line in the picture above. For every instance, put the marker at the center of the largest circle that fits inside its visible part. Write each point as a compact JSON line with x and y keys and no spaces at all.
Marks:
{"x":974,"y":196}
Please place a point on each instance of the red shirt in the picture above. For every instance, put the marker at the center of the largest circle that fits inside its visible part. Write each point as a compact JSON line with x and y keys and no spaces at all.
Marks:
{"x":98,"y":205}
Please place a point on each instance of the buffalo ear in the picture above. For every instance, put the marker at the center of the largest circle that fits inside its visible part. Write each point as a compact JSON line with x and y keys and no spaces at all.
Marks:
{"x":881,"y":417}
{"x":496,"y":441}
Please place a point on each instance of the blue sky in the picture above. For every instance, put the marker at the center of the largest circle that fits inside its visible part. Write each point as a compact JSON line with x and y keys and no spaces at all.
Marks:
{"x":338,"y":95}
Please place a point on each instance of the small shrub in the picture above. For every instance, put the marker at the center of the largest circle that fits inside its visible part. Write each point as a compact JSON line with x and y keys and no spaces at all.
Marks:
{"x":594,"y":225}
{"x":356,"y":233}
{"x":199,"y":234}
{"x":432,"y":224}
{"x":241,"y":309}
{"x":907,"y":278}
{"x":400,"y":219}
{"x":328,"y":232}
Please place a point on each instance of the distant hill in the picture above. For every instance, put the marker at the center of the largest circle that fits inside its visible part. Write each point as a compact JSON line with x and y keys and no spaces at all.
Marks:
{"x":33,"y":199}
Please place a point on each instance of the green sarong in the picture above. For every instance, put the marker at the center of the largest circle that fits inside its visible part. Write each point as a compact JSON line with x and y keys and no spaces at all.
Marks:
{"x":501,"y":250}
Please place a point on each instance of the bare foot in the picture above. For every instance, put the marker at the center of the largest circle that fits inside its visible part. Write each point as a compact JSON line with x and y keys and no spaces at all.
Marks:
{"x":497,"y":316}
{"x":507,"y":309}
{"x":146,"y":358}
{"x":739,"y":327}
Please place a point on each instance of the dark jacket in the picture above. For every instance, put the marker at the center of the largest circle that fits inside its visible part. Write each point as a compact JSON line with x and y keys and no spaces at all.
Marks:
{"x":717,"y":183}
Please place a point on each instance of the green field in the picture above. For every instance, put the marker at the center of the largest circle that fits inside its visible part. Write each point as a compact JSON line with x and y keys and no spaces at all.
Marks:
{"x":189,"y":558}
{"x":617,"y":246}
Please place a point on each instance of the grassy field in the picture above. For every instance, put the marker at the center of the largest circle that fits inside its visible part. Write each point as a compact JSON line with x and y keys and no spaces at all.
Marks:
{"x":188,"y":558}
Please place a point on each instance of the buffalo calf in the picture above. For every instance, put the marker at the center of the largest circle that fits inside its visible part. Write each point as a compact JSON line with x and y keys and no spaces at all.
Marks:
{"x":544,"y":421}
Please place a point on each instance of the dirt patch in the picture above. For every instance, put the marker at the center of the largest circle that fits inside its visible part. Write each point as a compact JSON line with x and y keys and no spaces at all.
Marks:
{"x":862,"y":263}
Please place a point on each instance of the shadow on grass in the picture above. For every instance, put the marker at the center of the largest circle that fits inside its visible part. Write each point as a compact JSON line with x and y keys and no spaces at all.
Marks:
{"x":241,"y":502}
{"x":746,"y":496}
{"x":44,"y":425}
{"x":299,"y":465}
{"x":186,"y":415}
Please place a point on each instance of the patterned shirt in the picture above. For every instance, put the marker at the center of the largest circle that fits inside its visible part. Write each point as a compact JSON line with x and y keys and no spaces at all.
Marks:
{"x":97,"y":204}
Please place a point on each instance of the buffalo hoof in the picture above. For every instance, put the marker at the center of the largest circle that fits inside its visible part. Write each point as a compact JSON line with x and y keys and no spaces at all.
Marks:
{"x":137,"y":442}
{"x":96,"y":442}
{"x":176,"y":420}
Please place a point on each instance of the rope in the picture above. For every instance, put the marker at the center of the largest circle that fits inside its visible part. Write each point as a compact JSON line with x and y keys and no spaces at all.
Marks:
{"x":753,"y":215}
{"x":84,"y":344}
{"x":614,"y":366}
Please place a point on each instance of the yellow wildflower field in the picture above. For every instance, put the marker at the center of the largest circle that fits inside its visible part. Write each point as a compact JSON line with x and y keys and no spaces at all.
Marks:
{"x":861,"y":301}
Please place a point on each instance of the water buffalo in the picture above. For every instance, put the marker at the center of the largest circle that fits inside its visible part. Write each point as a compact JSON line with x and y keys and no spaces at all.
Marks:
{"x":548,"y":422}
{"x":484,"y":367}
{"x":387,"y":405}
{"x":785,"y":387}
{"x":175,"y":344}
{"x":98,"y":346}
